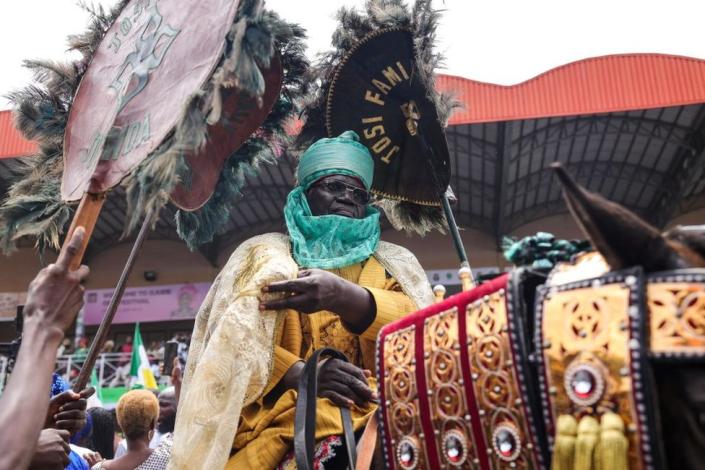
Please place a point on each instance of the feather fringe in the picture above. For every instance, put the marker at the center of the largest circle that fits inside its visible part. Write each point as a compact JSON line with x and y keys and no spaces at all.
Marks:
{"x":201,"y":226}
{"x":353,"y":26}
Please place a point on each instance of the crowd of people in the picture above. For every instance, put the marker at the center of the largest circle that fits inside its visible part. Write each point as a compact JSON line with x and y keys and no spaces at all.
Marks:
{"x":39,"y":407}
{"x":117,"y":374}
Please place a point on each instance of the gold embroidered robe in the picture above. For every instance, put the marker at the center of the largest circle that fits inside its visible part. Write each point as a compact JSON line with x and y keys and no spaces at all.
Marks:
{"x":266,"y":431}
{"x":237,"y":352}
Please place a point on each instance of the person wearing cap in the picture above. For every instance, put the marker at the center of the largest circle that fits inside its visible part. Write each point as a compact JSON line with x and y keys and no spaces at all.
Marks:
{"x":330,"y":283}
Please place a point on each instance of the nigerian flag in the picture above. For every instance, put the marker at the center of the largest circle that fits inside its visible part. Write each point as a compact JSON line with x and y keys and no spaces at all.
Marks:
{"x":139,"y":366}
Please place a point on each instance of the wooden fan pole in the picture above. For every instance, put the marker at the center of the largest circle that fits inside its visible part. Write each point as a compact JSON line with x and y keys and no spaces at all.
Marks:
{"x":102,"y":335}
{"x":465,"y":273}
{"x":86,"y":216}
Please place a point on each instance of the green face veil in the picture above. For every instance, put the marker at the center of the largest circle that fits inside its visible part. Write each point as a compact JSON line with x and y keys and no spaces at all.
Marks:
{"x":331,"y":241}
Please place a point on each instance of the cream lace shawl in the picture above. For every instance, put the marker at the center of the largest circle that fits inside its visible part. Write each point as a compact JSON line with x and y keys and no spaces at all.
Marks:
{"x":232,"y":344}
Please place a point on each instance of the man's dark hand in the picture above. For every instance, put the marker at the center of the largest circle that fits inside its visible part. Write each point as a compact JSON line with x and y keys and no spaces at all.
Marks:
{"x":52,"y":451}
{"x":316,"y":289}
{"x":313,"y":290}
{"x":56,"y":294}
{"x":344,"y":384}
{"x":67,"y":410}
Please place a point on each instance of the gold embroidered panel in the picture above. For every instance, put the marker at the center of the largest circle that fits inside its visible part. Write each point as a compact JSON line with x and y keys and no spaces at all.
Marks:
{"x":588,"y":354}
{"x":402,"y":401}
{"x":677,"y":316}
{"x":444,"y":382}
{"x":496,"y":385}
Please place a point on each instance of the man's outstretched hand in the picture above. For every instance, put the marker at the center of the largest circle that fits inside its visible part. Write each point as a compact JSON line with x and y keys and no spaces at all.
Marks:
{"x":315,"y":290}
{"x":55,"y":295}
{"x":67,"y":410}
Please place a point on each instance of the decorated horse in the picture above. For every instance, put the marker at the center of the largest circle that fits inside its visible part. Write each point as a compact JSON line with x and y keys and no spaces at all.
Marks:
{"x":593,"y":364}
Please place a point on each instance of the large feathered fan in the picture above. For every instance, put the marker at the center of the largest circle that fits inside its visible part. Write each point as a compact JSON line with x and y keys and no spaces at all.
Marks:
{"x":377,"y":91}
{"x":379,"y":81}
{"x":258,"y":55}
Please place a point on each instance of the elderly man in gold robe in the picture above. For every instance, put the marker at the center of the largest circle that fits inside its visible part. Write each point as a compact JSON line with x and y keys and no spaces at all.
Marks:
{"x":330,"y":283}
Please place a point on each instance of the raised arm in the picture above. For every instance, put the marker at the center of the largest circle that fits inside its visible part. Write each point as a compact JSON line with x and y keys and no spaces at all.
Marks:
{"x":53,"y":299}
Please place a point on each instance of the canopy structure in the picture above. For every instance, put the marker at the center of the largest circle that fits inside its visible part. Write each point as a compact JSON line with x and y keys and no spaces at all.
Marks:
{"x":631,"y":127}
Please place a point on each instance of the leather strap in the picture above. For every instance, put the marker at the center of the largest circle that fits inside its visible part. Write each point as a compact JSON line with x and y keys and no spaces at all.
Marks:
{"x":305,"y":417}
{"x":367,"y":443}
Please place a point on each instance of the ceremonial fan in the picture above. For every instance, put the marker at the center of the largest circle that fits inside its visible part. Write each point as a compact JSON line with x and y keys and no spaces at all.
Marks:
{"x":174,"y":100}
{"x":379,"y":82}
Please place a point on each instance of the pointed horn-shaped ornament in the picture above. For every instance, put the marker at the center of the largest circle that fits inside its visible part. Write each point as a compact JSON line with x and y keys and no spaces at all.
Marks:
{"x":622,"y":237}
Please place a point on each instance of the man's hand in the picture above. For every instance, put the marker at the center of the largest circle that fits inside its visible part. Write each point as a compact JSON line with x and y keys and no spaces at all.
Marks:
{"x":52,"y":451}
{"x":67,"y":410}
{"x":316,"y":289}
{"x":344,"y":384}
{"x":55,"y":295}
{"x":313,"y":290}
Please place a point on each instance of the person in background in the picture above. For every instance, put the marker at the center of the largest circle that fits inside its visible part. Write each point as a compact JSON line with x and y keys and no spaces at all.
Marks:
{"x":108,"y":346}
{"x":122,"y":372}
{"x":102,"y":438}
{"x":137,"y":413}
{"x":126,"y":348}
{"x":165,"y":423}
{"x":53,"y":300}
{"x":65,"y":348}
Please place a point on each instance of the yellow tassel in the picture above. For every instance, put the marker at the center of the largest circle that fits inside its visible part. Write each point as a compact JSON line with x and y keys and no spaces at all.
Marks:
{"x":564,"y":446}
{"x":612,"y":453}
{"x":588,"y":436}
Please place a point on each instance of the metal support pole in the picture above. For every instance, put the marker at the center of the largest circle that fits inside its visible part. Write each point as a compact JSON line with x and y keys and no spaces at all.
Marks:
{"x":102,"y":335}
{"x":465,"y":273}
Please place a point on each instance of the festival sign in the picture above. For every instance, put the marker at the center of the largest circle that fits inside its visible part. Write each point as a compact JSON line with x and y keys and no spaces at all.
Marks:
{"x":147,"y":304}
{"x":134,"y":91}
{"x":377,"y":91}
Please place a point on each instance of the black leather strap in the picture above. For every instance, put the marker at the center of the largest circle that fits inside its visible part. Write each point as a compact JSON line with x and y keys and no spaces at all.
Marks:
{"x":305,"y":417}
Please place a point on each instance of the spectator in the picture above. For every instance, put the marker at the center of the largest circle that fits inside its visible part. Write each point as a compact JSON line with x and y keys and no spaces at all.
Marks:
{"x":65,"y":348}
{"x":53,"y":299}
{"x":108,"y":346}
{"x":102,"y":439}
{"x":137,"y":413}
{"x":165,"y":423}
{"x":126,"y":348}
{"x":122,"y":372}
{"x":81,"y":350}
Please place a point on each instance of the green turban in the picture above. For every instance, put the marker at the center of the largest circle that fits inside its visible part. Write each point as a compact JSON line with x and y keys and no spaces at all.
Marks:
{"x":342,"y":155}
{"x":331,"y":241}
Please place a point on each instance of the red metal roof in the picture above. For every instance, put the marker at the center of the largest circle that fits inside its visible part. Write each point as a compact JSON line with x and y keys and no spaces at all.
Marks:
{"x":596,"y":85}
{"x":12,"y":144}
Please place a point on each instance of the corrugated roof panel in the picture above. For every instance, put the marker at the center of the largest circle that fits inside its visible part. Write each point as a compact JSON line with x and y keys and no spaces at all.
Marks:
{"x":12,"y":144}
{"x":595,"y":85}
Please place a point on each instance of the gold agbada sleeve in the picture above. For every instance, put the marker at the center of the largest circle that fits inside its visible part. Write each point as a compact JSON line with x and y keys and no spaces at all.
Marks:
{"x":224,"y":404}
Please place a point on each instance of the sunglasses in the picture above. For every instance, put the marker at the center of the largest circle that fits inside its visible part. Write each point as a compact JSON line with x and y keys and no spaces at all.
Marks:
{"x":338,"y":188}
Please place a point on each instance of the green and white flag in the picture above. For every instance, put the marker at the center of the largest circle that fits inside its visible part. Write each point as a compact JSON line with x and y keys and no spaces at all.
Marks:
{"x":139,"y":366}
